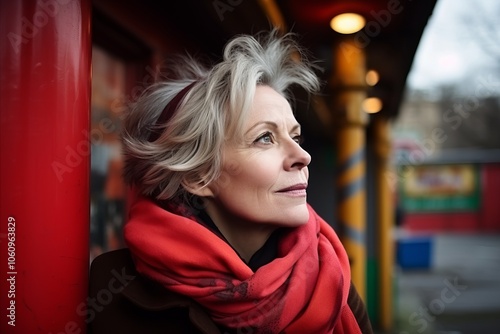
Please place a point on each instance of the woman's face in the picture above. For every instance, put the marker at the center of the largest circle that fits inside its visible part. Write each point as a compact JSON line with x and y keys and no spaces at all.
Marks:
{"x":264,"y":176}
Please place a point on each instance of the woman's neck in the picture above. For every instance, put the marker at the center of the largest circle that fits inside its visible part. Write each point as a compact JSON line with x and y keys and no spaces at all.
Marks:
{"x":244,"y":236}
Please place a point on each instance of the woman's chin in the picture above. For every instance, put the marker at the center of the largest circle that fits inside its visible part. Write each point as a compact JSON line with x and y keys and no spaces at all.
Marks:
{"x":295,"y":217}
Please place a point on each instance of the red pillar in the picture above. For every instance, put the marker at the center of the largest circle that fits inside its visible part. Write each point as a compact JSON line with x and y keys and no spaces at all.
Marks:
{"x":45,"y":55}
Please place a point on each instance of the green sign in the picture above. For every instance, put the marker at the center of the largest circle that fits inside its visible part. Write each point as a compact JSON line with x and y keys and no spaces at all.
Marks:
{"x":440,"y":188}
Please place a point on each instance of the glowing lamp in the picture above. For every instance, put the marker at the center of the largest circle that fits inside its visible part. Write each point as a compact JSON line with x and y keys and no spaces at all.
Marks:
{"x":347,"y":23}
{"x":372,"y":78}
{"x":372,"y":105}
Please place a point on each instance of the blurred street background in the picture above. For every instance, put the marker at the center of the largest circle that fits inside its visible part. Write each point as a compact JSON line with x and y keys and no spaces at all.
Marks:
{"x":458,"y":294}
{"x":447,"y":158}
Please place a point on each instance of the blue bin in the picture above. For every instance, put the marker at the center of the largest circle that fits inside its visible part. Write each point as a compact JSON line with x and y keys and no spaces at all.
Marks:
{"x":414,"y":252}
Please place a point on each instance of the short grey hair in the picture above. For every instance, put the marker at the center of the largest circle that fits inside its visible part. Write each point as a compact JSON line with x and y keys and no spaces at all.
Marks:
{"x":190,"y":145}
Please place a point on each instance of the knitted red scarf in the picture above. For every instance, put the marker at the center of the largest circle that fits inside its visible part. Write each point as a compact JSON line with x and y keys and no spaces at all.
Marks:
{"x":304,"y":290}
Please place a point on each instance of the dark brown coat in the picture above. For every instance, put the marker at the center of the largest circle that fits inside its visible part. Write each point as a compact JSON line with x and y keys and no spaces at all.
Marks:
{"x":122,"y":301}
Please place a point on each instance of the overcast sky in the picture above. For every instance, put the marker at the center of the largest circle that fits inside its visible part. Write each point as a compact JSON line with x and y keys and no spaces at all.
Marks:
{"x":452,"y":48}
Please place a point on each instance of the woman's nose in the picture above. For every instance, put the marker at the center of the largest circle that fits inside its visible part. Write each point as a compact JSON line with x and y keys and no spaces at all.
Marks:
{"x":298,"y":158}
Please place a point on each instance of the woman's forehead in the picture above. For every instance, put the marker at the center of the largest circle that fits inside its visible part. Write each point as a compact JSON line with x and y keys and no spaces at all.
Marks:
{"x":269,"y":107}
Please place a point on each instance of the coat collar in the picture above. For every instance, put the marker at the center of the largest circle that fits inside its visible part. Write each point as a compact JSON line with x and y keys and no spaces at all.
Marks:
{"x":152,"y":297}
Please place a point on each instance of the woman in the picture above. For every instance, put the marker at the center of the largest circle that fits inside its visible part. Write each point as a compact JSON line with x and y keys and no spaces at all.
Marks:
{"x":219,"y":225}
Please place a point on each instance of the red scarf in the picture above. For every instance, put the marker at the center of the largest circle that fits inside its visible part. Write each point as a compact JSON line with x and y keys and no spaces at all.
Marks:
{"x":304,"y":290}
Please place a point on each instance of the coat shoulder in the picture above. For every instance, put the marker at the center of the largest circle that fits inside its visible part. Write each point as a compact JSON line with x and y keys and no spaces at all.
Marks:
{"x":122,"y":301}
{"x":359,"y":310}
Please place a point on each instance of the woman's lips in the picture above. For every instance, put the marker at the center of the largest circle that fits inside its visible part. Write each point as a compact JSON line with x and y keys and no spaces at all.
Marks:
{"x":298,"y":189}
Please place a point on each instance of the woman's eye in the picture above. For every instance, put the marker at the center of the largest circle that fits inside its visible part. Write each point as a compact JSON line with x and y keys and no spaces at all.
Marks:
{"x":299,"y":139}
{"x":266,"y":138}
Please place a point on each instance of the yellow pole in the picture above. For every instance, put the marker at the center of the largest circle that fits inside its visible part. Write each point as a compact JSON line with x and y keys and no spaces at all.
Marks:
{"x":385,"y":223}
{"x":349,"y":79}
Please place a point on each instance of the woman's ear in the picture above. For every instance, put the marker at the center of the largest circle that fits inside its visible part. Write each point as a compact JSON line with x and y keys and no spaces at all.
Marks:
{"x":197,"y":187}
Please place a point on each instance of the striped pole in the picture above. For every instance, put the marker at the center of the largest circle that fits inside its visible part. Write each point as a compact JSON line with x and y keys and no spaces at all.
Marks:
{"x":349,"y":78}
{"x":352,"y":201}
{"x":385,"y":223}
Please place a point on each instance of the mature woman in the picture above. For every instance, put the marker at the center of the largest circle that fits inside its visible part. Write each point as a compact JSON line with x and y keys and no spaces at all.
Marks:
{"x":220,"y":231}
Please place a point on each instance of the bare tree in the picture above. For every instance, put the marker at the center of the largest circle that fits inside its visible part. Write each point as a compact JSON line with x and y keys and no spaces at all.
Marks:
{"x":469,"y":121}
{"x":483,"y":27}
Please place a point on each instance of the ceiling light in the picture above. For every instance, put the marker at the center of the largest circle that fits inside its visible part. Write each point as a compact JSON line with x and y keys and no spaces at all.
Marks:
{"x":372,"y":78}
{"x":347,"y":23}
{"x":372,"y":105}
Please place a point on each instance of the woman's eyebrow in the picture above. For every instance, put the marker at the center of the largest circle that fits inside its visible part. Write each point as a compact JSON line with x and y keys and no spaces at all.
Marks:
{"x":271,"y":124}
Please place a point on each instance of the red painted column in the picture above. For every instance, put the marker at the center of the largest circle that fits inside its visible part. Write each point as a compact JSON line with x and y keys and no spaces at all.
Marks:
{"x":45,"y":55}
